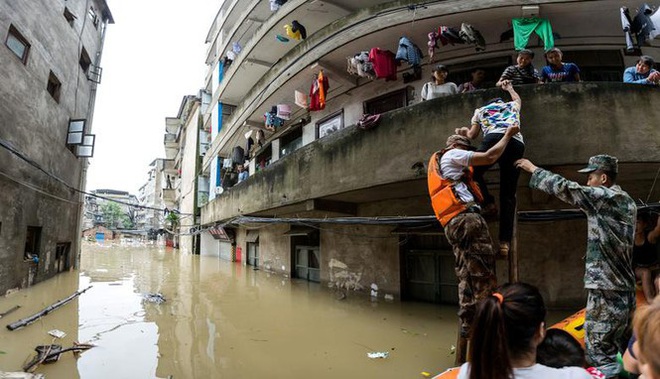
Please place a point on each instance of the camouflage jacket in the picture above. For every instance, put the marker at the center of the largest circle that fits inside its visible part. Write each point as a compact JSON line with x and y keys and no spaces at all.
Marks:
{"x":611,"y":215}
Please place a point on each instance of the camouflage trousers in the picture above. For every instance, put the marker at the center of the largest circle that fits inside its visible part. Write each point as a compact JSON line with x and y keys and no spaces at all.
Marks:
{"x":475,"y":263}
{"x":607,"y":328}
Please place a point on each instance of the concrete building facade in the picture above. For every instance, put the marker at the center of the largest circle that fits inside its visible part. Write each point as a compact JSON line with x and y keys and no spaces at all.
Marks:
{"x":155,"y":194}
{"x":187,"y":149}
{"x":50,"y":57}
{"x":329,"y":202}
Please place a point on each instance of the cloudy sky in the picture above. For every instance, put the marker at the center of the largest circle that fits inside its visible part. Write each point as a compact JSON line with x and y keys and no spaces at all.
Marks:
{"x":153,"y":56}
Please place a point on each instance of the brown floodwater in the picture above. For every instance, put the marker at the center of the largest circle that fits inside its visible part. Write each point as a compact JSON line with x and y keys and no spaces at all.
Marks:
{"x":219,"y":320}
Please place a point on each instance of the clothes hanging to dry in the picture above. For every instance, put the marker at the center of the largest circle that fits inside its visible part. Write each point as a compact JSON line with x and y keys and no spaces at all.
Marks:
{"x":472,"y":36}
{"x":409,"y":52}
{"x":642,"y":25}
{"x":360,"y":65}
{"x":524,"y":27}
{"x":384,"y":63}
{"x":318,"y":92}
{"x":297,"y":27}
{"x":300,"y":99}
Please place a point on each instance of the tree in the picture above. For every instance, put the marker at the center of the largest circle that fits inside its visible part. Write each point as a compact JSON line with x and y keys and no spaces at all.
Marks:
{"x":114,"y":216}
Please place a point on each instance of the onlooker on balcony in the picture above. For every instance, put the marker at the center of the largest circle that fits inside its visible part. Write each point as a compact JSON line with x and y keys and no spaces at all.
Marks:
{"x":454,"y":197}
{"x":609,"y":277}
{"x":494,"y":119}
{"x":645,"y":256}
{"x":478,"y":76}
{"x":523,"y":72}
{"x":242,"y":173}
{"x":558,"y":71}
{"x":643,"y":72}
{"x":438,"y":87}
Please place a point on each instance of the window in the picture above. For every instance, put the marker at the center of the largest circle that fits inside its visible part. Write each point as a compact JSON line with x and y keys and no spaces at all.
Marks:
{"x":291,"y":142}
{"x":330,"y":124}
{"x":54,"y":86}
{"x":388,"y":102}
{"x":32,"y":239}
{"x":17,"y":44}
{"x":84,"y":61}
{"x":601,"y":65}
{"x":70,"y":17}
{"x":92,"y":16}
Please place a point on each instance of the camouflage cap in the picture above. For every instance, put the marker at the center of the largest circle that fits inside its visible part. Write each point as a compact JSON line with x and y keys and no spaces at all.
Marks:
{"x":459,"y":140}
{"x":602,"y":162}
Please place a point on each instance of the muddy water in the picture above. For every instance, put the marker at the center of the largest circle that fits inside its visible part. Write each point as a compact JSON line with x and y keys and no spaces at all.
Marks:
{"x":220,"y":320}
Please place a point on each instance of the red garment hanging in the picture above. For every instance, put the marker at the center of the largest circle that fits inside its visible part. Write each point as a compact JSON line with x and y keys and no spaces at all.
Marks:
{"x":317,"y":92}
{"x":384,"y":63}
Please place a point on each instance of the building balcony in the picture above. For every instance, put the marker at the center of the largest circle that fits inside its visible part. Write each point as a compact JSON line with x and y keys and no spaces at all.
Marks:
{"x":350,"y":171}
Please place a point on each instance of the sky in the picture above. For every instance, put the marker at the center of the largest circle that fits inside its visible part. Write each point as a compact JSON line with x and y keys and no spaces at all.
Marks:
{"x":153,"y":56}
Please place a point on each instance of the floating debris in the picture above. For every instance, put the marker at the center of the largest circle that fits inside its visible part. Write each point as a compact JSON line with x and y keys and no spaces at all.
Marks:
{"x":156,"y":298}
{"x":57,"y":333}
{"x":378,"y":354}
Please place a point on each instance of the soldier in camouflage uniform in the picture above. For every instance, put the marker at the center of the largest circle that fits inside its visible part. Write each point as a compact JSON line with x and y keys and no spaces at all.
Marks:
{"x":609,"y":277}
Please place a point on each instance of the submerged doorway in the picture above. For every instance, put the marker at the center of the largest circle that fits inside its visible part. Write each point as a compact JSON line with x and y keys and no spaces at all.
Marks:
{"x":62,"y":256}
{"x":427,"y":270}
{"x":305,"y":253}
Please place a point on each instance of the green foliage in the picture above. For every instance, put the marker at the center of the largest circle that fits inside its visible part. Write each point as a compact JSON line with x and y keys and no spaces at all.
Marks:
{"x":114,"y":216}
{"x":172,"y":220}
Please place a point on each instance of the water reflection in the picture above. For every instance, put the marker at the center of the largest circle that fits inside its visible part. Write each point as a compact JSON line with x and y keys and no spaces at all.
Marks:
{"x":222,"y":320}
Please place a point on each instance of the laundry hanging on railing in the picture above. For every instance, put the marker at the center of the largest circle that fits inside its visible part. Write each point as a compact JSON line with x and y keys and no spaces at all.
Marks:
{"x":271,"y":120}
{"x":281,"y":38}
{"x":236,"y":47}
{"x":300,"y":99}
{"x":642,"y":25}
{"x":449,"y":35}
{"x":295,"y":31}
{"x":409,"y":52}
{"x":384,"y":63}
{"x":472,"y":36}
{"x":524,"y":27}
{"x":276,"y":4}
{"x":360,"y":65}
{"x":318,"y":92}
{"x":284,"y":111}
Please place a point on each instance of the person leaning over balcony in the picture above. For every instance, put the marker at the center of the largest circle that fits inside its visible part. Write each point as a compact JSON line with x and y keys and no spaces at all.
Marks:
{"x":558,"y":71}
{"x":494,"y":119}
{"x":242,"y":173}
{"x":609,"y":277}
{"x":438,"y":86}
{"x":454,"y":197}
{"x":642,"y":73}
{"x":523,"y":72}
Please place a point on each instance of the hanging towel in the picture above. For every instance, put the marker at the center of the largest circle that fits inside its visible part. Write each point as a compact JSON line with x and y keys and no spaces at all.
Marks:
{"x":472,"y":36}
{"x":274,"y":5}
{"x":363,"y":65}
{"x":408,"y":52}
{"x":384,"y":63}
{"x":297,"y":27}
{"x":281,"y":38}
{"x":524,"y":27}
{"x":293,"y":35}
{"x":284,"y":111}
{"x":300,"y":99}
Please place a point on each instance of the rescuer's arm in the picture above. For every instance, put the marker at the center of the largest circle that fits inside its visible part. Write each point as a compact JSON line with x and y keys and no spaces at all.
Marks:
{"x":492,"y":155}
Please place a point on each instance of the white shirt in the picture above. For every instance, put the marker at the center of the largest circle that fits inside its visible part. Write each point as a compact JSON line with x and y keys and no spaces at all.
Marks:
{"x":452,"y":165}
{"x":433,"y":91}
{"x":538,"y":371}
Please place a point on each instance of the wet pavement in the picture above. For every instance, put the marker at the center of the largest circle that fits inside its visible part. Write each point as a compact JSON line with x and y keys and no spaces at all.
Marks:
{"x":219,"y":320}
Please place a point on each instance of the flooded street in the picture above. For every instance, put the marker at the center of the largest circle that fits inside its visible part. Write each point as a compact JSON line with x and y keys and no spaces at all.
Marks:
{"x":219,"y":320}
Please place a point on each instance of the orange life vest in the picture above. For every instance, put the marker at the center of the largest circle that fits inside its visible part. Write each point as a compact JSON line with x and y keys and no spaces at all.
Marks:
{"x":444,"y":199}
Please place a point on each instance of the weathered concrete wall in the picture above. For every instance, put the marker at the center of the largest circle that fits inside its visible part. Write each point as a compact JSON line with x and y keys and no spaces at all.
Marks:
{"x":562,"y":125}
{"x":188,"y":179}
{"x":36,"y":125}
